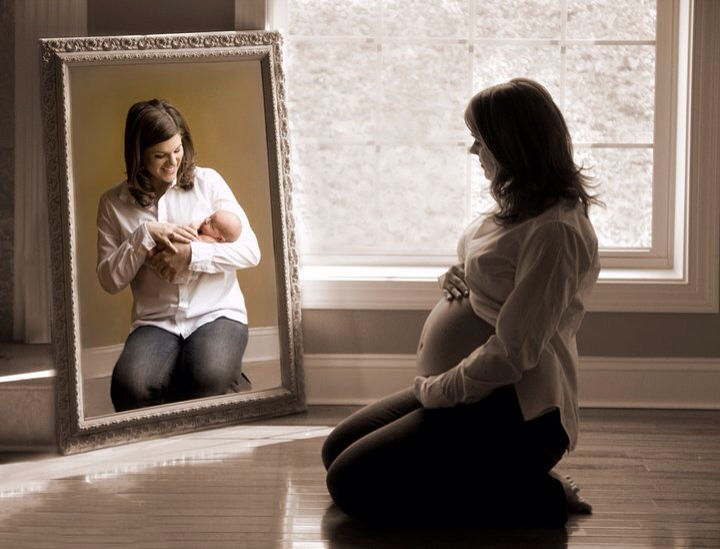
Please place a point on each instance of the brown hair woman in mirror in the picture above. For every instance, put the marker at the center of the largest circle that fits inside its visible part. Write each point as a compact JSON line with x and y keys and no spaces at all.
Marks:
{"x":494,"y":407}
{"x":188,"y":333}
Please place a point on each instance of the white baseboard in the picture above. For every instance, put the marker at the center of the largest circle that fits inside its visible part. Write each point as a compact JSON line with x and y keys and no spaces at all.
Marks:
{"x":263,"y":346}
{"x":622,"y":382}
{"x":605,"y":382}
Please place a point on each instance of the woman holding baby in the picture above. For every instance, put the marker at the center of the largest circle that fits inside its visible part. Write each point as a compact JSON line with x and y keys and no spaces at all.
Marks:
{"x":494,"y":406}
{"x":175,"y":233}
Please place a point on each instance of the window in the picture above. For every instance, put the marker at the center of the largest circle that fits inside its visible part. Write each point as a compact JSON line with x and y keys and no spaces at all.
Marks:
{"x":384,"y":185}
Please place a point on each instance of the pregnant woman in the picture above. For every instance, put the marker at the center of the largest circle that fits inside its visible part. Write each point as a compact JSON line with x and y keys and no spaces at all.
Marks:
{"x":494,"y":407}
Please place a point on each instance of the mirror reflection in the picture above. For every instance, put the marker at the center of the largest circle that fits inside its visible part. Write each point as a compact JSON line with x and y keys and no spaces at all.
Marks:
{"x":176,"y":278}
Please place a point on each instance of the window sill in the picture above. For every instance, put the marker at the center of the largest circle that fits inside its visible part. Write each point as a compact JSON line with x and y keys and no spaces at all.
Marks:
{"x":416,"y":288}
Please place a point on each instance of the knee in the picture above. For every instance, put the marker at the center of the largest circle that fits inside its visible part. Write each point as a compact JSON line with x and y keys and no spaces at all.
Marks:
{"x":129,"y":391}
{"x":331,"y":449}
{"x":343,"y":488}
{"x":211,"y":378}
{"x":359,"y":484}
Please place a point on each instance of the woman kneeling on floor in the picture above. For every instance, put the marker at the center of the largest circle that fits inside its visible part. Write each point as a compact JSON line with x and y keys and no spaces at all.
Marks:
{"x":494,"y":407}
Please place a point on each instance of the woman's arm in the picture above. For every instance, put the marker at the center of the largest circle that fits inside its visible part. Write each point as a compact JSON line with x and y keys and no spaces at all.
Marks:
{"x":214,"y":257}
{"x":118,"y":260}
{"x":550,"y":268}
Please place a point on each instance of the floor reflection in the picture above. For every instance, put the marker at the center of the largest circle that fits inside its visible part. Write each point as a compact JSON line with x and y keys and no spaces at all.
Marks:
{"x":229,"y":487}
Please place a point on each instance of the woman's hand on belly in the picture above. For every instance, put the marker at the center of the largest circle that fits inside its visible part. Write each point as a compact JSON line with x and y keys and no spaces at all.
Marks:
{"x":453,"y":283}
{"x":452,"y":331}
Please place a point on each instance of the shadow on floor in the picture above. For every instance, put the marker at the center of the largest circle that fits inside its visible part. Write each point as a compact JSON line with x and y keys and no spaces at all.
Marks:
{"x":342,"y":532}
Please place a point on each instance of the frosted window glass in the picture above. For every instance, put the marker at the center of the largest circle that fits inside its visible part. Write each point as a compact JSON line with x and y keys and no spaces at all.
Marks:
{"x":378,"y":138}
{"x":624,"y":182}
{"x":335,"y":196}
{"x":426,"y":18}
{"x":425,"y":91}
{"x":395,"y":199}
{"x":422,"y":191}
{"x":333,"y":18}
{"x":612,"y":19}
{"x":610,"y":93}
{"x":497,"y":64}
{"x":334,"y":93}
{"x":517,"y":19}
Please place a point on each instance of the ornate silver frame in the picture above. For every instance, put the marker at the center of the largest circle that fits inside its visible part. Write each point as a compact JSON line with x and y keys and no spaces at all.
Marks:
{"x":75,"y":433}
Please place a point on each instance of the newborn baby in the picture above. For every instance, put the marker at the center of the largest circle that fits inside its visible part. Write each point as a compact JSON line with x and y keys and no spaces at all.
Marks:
{"x":220,"y":226}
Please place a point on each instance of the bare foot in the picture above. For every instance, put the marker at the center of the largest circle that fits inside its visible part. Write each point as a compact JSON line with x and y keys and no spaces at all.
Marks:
{"x":575,"y":503}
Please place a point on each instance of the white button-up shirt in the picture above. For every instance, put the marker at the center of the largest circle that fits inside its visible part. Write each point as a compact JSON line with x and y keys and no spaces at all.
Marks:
{"x":530,"y":281}
{"x":124,"y":241}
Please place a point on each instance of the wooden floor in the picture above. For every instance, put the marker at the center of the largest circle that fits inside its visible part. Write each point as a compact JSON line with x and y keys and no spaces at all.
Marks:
{"x":653,"y":477}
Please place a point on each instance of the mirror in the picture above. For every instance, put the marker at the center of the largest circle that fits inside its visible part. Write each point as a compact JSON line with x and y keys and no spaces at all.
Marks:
{"x":229,"y":88}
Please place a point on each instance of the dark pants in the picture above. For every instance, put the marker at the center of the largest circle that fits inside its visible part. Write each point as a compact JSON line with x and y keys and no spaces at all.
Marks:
{"x":157,"y":367}
{"x":395,"y":461}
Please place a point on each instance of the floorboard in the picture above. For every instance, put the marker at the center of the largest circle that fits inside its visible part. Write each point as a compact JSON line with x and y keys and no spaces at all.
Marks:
{"x":652,"y":476}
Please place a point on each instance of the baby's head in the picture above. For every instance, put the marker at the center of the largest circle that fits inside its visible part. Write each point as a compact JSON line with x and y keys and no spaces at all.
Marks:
{"x":222,"y":226}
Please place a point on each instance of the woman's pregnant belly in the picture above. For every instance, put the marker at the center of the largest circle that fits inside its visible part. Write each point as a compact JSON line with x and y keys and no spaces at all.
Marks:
{"x":452,"y":331}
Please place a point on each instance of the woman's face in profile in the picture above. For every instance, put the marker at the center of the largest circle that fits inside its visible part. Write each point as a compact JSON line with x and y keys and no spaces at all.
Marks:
{"x":162,"y":160}
{"x":487,"y":161}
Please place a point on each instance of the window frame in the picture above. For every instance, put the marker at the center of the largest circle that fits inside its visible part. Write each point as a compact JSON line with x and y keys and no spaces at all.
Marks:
{"x":678,"y":274}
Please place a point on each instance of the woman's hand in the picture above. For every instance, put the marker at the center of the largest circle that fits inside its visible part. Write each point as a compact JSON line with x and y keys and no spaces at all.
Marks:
{"x":453,"y":283}
{"x":164,"y":234}
{"x":169,"y":264}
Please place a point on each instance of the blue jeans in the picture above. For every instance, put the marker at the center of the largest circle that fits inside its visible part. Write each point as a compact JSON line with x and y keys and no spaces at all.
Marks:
{"x":156,"y":366}
{"x":482,"y":463}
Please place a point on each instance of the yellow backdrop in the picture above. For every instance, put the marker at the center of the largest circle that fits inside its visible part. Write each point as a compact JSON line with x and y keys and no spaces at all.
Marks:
{"x":223,"y":105}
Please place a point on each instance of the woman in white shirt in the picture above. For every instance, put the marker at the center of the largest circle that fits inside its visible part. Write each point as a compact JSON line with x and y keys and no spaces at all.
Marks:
{"x":494,"y":406}
{"x":188,"y":334}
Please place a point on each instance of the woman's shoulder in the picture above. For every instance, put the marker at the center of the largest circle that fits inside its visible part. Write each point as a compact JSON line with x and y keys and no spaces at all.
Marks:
{"x":567,"y":212}
{"x":205,"y":174}
{"x":118,"y":192}
{"x":563,"y":219}
{"x":208,"y":181}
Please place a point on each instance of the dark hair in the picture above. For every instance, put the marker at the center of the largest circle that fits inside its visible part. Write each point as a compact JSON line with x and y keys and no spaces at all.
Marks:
{"x":149,"y":123}
{"x":526,"y":133}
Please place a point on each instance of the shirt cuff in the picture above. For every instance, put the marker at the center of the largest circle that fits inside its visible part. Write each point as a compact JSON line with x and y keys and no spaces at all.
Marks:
{"x":201,"y":256}
{"x":428,"y":390}
{"x":142,"y":238}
